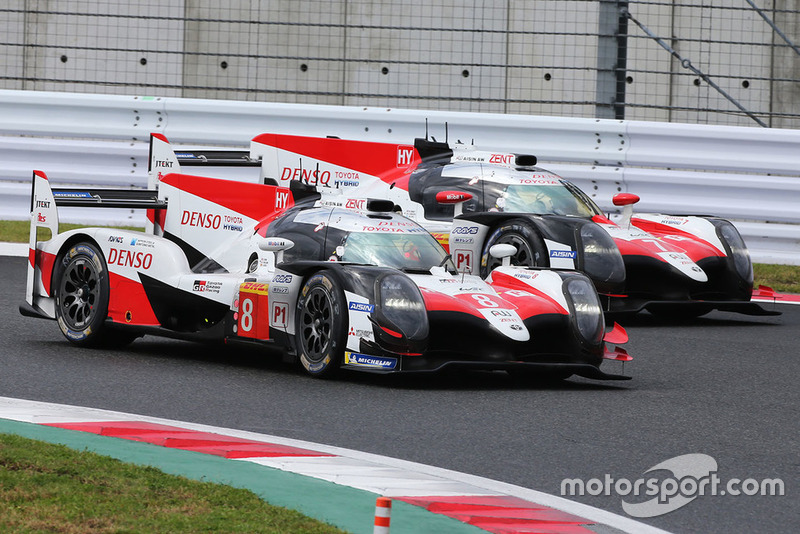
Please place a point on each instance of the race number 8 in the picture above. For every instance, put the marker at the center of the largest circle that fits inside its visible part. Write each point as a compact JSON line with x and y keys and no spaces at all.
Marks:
{"x":485,"y":301}
{"x":246,"y":321}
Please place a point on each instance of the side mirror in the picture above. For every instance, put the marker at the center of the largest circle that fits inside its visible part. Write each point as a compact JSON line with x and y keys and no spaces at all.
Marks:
{"x":274,"y":244}
{"x":503,"y":252}
{"x":453,"y":197}
{"x":627,"y":200}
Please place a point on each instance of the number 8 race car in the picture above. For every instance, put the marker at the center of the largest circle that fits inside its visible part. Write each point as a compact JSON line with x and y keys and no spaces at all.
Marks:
{"x":330,"y":287}
{"x":687,"y":265}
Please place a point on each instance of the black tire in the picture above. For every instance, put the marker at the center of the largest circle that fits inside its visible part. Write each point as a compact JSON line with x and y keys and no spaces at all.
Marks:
{"x":252,"y":263}
{"x":81,"y":292}
{"x":321,"y":325}
{"x":531,"y":251}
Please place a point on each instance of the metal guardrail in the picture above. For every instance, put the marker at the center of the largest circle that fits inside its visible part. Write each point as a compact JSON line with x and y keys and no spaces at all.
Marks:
{"x":749,"y":175}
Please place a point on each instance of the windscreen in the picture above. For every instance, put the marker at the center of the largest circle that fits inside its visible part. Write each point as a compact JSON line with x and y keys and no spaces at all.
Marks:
{"x":410,"y":252}
{"x":562,"y":199}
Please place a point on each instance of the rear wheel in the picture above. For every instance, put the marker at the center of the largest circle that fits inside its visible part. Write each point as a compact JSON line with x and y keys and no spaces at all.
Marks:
{"x":520,"y":233}
{"x":81,"y":293}
{"x":321,"y":324}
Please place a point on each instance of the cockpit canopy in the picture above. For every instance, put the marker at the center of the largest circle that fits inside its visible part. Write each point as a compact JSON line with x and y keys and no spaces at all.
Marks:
{"x":520,"y":190}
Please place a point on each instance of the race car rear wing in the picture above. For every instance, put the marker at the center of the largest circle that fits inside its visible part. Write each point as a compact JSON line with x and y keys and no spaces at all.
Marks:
{"x":108,"y":198}
{"x":220,"y":158}
{"x":163,"y":159}
{"x":330,"y":162}
{"x":46,"y":200}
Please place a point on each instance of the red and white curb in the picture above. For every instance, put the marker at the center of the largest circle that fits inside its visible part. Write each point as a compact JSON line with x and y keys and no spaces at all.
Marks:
{"x":763,"y":294}
{"x":487,"y":504}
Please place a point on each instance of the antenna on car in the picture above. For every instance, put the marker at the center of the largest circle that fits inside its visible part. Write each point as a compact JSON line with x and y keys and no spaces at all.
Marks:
{"x":301,"y":170}
{"x":426,"y":128}
{"x":316,"y":175}
{"x":445,"y":133}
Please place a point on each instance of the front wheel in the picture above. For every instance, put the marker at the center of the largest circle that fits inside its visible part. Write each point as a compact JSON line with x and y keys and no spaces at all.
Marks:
{"x":520,"y":233}
{"x":81,"y":294}
{"x":321,"y":325}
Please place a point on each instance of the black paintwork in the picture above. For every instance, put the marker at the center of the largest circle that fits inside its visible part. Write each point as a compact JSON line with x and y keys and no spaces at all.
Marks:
{"x":180,"y":310}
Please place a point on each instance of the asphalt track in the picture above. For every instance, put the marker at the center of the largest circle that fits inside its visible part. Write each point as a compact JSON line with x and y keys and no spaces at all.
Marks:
{"x":723,"y":385}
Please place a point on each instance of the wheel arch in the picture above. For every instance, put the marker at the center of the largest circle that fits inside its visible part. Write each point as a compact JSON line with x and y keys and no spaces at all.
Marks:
{"x":353,"y":277}
{"x":551,"y":227}
{"x":72,"y":240}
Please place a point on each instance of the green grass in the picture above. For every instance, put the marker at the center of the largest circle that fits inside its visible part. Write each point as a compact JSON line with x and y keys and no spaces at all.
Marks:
{"x":784,"y":278}
{"x":19,"y":231}
{"x":52,"y":488}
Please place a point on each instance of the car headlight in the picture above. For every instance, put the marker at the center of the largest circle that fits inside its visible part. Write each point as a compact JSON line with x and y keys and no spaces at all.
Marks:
{"x":586,"y":309}
{"x":601,"y":258}
{"x":402,"y":306}
{"x":728,"y":233}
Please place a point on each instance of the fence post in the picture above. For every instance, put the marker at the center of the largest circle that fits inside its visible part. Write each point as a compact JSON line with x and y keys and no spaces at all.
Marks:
{"x":612,"y":58}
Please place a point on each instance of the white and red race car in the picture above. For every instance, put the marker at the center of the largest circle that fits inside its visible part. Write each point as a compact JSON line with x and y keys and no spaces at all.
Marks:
{"x":330,"y":287}
{"x":472,"y":200}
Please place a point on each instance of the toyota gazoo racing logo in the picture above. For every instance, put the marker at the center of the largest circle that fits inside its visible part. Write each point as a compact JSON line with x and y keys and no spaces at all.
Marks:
{"x":206,"y":286}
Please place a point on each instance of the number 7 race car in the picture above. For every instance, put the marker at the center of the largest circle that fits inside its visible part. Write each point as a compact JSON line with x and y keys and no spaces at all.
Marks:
{"x":361,"y":288}
{"x":687,"y":265}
